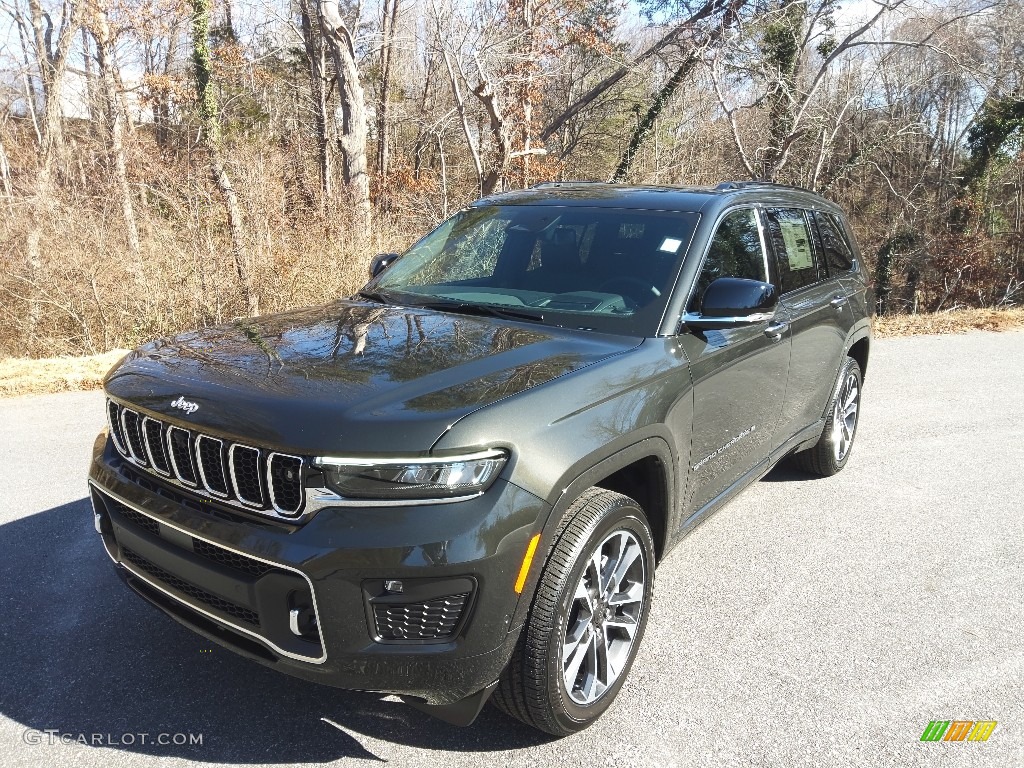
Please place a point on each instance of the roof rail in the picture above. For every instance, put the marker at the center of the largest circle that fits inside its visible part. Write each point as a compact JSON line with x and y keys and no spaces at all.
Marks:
{"x":726,"y":185}
{"x":568,"y":183}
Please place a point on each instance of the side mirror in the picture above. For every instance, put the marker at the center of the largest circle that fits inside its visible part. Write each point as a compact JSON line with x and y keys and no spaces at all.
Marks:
{"x":734,"y":301}
{"x":382,"y":261}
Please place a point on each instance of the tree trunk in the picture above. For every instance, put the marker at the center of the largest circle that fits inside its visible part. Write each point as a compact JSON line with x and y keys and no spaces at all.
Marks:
{"x":495,"y":176}
{"x":645,"y":126}
{"x":5,"y":171}
{"x":92,"y":95}
{"x":51,"y":58}
{"x":312,"y":41}
{"x":390,"y":17}
{"x":352,"y":134}
{"x":316,"y":67}
{"x":115,"y":122}
{"x":209,"y":119}
{"x":781,"y":49}
{"x":460,"y":107}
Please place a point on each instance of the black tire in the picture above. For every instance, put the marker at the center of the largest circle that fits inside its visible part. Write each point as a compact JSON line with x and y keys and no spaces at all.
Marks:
{"x":825,"y":458}
{"x":532,"y":688}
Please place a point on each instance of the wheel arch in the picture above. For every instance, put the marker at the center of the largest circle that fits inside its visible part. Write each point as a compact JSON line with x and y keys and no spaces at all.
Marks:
{"x":644,"y":472}
{"x":859,"y":352}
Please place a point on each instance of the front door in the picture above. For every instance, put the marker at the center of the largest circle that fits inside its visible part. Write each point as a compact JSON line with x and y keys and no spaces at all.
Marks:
{"x":739,"y":374}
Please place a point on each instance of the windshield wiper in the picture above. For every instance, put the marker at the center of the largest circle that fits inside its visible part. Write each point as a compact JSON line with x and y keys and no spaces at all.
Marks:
{"x":381,"y":297}
{"x":485,"y":310}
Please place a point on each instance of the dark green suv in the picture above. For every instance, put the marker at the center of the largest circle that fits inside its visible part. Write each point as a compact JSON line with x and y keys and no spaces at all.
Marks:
{"x":459,"y":482}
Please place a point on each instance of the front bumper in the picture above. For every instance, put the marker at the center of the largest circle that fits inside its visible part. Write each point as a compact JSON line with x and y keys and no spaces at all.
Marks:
{"x":310,"y":600}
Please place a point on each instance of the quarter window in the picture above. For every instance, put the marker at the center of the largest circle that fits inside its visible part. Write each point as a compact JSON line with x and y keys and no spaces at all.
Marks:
{"x":735,"y":251}
{"x":794,"y":253}
{"x":837,"y":252}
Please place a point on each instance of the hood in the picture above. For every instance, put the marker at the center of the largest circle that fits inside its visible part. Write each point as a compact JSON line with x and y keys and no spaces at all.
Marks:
{"x":349,"y":377}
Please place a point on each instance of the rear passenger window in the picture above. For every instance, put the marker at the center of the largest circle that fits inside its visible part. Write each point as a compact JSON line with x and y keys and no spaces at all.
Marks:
{"x":794,"y":253}
{"x":837,"y":251}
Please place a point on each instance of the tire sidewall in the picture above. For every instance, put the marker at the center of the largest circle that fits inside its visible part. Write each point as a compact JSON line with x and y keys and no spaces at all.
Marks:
{"x":624,"y":517}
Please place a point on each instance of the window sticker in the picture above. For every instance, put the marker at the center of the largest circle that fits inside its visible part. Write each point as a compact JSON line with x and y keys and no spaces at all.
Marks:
{"x":798,"y":246}
{"x":670,"y":245}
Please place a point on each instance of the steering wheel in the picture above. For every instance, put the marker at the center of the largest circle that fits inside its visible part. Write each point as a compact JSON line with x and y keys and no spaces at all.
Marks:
{"x":639,"y":292}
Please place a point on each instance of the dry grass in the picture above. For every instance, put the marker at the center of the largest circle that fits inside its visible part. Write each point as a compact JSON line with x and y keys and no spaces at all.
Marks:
{"x":958,"y":321}
{"x":26,"y":376}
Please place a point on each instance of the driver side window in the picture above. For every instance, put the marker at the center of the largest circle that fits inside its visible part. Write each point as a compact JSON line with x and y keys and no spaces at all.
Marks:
{"x":735,"y":251}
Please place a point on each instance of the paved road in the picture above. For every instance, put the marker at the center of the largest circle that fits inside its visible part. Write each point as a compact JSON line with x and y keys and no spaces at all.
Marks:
{"x":810,"y":623}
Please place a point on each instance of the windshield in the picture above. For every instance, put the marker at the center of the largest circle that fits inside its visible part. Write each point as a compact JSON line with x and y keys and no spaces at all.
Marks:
{"x":604,"y":269}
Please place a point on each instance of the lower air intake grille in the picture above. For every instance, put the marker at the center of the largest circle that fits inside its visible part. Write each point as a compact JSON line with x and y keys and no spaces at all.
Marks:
{"x":432,"y":620}
{"x":230,"y":559}
{"x":139,"y":519}
{"x":197,"y":594}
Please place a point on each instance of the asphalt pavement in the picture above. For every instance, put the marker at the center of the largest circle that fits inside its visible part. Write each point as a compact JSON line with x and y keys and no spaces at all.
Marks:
{"x":809,"y":623}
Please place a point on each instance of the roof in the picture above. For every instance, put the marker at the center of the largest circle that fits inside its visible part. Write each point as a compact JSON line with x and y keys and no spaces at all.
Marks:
{"x":650,"y":197}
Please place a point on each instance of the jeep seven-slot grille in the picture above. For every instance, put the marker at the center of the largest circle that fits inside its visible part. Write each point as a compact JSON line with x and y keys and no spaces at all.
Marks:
{"x":242,"y":475}
{"x":432,"y":620}
{"x":211,"y":464}
{"x":200,"y":595}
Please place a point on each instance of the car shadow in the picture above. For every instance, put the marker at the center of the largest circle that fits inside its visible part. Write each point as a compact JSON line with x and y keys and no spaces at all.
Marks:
{"x":785,"y":472}
{"x":86,"y":657}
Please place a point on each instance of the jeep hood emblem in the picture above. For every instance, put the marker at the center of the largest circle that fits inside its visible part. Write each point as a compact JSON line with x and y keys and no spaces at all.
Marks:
{"x":186,"y":405}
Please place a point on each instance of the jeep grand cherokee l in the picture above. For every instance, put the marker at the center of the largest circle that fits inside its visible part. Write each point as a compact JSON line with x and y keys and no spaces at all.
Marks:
{"x":459,"y":482}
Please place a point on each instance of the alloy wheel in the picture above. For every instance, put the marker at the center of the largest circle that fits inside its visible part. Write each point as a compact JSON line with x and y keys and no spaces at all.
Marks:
{"x":844,"y":418}
{"x":603,"y":618}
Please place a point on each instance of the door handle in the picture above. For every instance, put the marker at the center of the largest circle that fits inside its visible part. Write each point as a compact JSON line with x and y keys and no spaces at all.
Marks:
{"x":838,"y":301}
{"x":775,"y":329}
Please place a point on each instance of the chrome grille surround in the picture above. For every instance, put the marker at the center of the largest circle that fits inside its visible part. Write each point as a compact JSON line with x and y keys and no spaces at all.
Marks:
{"x":234,"y":471}
{"x":131,"y":427}
{"x":157,"y":454}
{"x":178,"y":459}
{"x":282,"y":507}
{"x":116,"y":429}
{"x":193,"y":480}
{"x":207,"y":473}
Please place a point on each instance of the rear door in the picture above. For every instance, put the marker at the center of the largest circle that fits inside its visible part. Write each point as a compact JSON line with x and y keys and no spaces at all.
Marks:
{"x":815,"y":304}
{"x":738,"y":374}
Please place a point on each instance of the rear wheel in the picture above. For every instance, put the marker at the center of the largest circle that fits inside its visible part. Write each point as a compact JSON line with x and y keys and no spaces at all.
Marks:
{"x":587,"y":618}
{"x":832,"y":451}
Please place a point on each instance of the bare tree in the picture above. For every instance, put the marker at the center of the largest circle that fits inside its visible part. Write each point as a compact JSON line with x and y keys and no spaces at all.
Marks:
{"x":352,"y":133}
{"x":210,"y":120}
{"x":99,"y":25}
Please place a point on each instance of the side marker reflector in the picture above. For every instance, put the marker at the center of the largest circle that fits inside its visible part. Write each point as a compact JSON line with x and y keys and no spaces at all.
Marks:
{"x":531,"y":549}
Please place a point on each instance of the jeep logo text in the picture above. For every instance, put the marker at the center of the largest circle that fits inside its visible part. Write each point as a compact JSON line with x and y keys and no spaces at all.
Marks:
{"x":185,"y":405}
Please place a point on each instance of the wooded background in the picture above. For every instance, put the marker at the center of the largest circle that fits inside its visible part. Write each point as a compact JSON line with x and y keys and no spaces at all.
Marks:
{"x":166,"y":164}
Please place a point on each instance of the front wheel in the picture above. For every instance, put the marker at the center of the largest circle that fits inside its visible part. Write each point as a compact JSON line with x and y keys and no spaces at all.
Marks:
{"x":832,"y":451}
{"x":587,"y":618}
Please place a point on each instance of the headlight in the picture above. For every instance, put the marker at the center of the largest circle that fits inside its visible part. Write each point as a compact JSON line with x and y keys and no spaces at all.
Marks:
{"x":412,"y":479}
